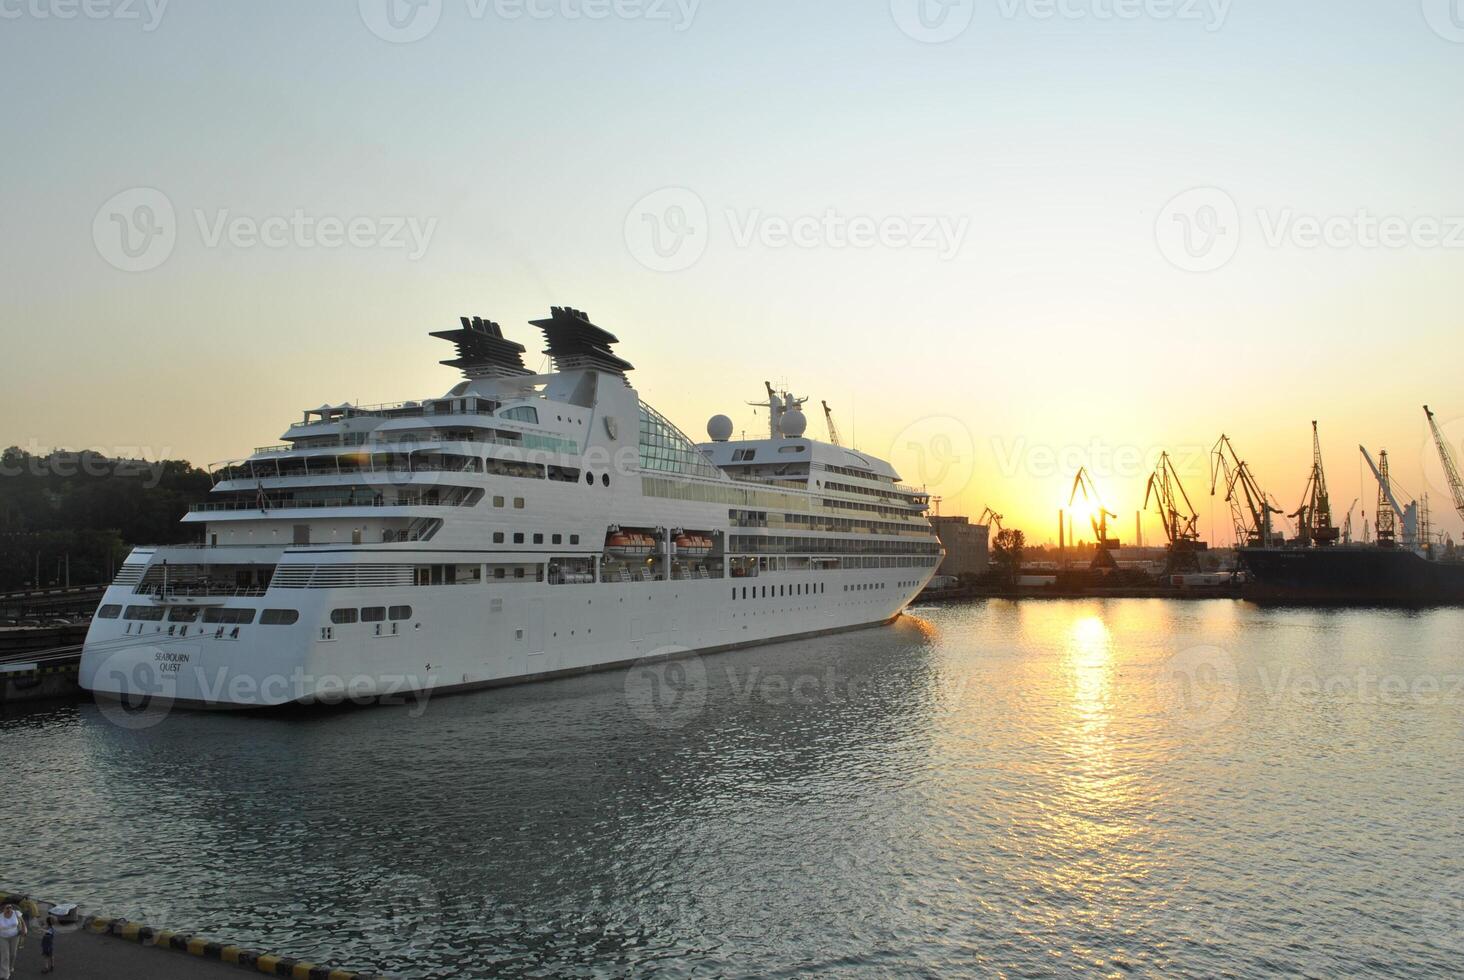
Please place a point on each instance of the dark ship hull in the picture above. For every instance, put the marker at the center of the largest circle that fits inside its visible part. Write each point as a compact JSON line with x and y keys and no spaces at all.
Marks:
{"x":1359,"y":575}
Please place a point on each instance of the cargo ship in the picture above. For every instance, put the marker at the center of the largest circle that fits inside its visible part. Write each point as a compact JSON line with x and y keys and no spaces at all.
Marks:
{"x":1351,"y":575}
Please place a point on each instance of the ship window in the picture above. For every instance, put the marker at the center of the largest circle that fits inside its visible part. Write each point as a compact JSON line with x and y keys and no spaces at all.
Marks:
{"x":343,"y":616}
{"x":373,"y":614}
{"x":500,"y":572}
{"x":497,"y":501}
{"x":518,"y":503}
{"x":538,"y":539}
{"x":605,"y":479}
{"x":183,"y":614}
{"x":147,"y":614}
{"x":574,"y":539}
{"x":399,"y":613}
{"x":231,"y":616}
{"x":498,"y":537}
{"x":556,"y":539}
{"x":518,"y":537}
{"x":109,"y":612}
{"x":523,"y":413}
{"x":664,"y":448}
{"x":518,"y":572}
{"x":279,"y":617}
{"x":590,"y":479}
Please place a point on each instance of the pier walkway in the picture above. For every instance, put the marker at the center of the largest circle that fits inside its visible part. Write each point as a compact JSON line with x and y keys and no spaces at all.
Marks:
{"x":88,"y":956}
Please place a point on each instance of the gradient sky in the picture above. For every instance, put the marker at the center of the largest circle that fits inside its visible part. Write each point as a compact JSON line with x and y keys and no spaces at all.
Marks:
{"x":1058,"y":330}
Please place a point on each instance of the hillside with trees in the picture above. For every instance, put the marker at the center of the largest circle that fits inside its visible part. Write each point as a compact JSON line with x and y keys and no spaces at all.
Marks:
{"x":89,"y":507}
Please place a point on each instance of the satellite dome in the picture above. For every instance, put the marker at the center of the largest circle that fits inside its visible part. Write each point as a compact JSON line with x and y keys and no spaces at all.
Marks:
{"x":719,"y":427}
{"x":793,"y":424}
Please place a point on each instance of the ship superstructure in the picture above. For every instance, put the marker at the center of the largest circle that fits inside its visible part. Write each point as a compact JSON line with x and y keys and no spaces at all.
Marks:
{"x":520,"y":526}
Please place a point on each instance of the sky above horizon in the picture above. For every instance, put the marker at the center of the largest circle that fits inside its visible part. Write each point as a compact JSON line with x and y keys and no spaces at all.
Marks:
{"x":1003,"y":239}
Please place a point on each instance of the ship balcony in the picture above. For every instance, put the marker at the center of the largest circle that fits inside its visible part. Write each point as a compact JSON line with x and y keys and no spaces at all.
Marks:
{"x":347,"y":506}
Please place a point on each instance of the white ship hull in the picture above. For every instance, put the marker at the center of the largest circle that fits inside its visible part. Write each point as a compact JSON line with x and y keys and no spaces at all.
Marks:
{"x":464,"y":636}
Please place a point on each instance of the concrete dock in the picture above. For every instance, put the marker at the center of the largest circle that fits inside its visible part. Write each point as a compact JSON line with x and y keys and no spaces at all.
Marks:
{"x":83,"y":954}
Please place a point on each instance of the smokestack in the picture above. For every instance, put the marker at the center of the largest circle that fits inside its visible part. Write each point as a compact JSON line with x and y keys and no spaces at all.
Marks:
{"x":1061,"y":541}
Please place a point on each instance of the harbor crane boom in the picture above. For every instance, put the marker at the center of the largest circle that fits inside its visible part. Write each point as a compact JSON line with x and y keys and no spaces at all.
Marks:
{"x":1083,"y":483}
{"x":1446,"y":456}
{"x":833,"y":429}
{"x":1250,"y":511}
{"x":1314,"y":517}
{"x":990,"y":518}
{"x":1167,"y":492}
{"x":1389,"y":510}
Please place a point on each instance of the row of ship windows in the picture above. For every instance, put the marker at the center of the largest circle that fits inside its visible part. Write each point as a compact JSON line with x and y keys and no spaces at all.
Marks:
{"x":538,"y":538}
{"x":778,"y":591}
{"x":370,"y":614}
{"x":192,"y":614}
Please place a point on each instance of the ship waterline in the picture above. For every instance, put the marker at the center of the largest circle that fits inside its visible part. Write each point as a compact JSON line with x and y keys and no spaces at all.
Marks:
{"x":521,"y":526}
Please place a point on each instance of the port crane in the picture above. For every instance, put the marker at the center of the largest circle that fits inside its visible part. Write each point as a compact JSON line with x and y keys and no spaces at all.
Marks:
{"x":1083,"y":483}
{"x":1250,"y":509}
{"x":1446,"y":456}
{"x":990,"y":518}
{"x":833,"y":429}
{"x":1181,"y":527}
{"x":1314,"y":527}
{"x":1347,"y":526}
{"x":1389,"y":511}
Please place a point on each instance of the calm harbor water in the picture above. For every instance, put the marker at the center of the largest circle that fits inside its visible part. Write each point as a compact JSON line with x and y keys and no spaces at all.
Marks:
{"x":1128,"y":786}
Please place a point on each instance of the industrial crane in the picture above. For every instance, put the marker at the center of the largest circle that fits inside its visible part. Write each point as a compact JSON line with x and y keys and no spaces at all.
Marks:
{"x":1389,"y":510}
{"x":1314,"y":525}
{"x":1250,"y":511}
{"x":1347,"y":527}
{"x":990,"y":518}
{"x":1451,"y":468}
{"x":833,"y":429}
{"x":1181,"y":527}
{"x":1099,"y":517}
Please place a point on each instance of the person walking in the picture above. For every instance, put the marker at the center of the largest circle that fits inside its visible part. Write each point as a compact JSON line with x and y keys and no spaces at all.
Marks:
{"x":48,"y":946}
{"x":12,"y":928}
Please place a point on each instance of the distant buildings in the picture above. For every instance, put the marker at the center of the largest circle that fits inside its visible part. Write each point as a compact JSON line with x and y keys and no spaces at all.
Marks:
{"x":966,"y":544}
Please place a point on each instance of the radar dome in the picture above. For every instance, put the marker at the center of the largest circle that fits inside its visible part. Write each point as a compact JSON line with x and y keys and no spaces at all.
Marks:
{"x":719,"y":427}
{"x":793,"y":424}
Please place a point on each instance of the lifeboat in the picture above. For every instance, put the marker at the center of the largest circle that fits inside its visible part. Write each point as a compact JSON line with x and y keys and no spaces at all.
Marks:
{"x":693,"y":545}
{"x":622,"y":544}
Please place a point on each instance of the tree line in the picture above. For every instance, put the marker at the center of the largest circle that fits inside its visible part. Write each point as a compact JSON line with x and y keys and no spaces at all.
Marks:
{"x":87,"y":509}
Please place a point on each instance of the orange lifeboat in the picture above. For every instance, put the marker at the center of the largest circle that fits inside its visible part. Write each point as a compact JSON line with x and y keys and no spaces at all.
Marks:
{"x":629,"y":545}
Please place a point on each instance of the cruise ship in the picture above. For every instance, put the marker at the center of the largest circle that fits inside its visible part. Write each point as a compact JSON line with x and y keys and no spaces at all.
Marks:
{"x":522,"y":526}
